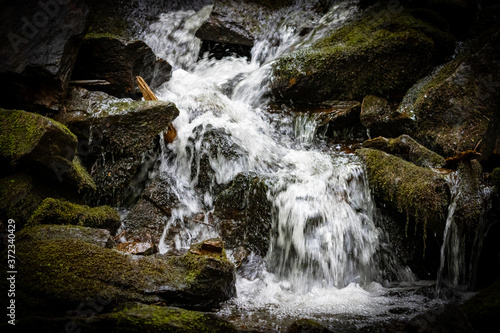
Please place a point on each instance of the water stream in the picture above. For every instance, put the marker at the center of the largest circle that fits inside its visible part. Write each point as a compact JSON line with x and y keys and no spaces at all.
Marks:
{"x":323,"y":258}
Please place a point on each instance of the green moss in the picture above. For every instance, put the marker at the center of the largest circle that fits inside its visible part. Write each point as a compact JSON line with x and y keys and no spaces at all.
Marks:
{"x":417,"y":192}
{"x":54,"y":211}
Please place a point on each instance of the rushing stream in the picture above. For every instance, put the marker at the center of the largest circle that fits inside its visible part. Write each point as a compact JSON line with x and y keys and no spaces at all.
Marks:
{"x":323,"y":259}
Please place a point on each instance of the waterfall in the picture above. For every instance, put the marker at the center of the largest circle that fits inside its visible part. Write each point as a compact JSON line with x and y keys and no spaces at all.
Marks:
{"x":324,"y":243}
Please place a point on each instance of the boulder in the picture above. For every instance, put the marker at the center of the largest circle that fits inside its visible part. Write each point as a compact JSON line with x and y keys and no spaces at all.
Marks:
{"x":43,"y":145}
{"x":118,"y":140}
{"x":456,"y":108}
{"x":137,"y":248}
{"x":483,"y":308}
{"x":118,"y":62}
{"x":448,"y":318}
{"x":55,"y":211}
{"x":243,"y":214}
{"x":307,"y":326}
{"x":36,"y":62}
{"x":382,"y":118}
{"x":413,"y":204}
{"x":367,"y":56}
{"x":61,"y":276}
{"x":94,"y":236}
{"x":408,"y":149}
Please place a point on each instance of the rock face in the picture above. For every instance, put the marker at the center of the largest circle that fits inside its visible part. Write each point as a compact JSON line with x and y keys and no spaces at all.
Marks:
{"x":456,"y":108}
{"x":416,"y":197}
{"x":42,"y":41}
{"x":64,"y":274}
{"x":364,"y":57}
{"x":107,"y":57}
{"x":382,"y":118}
{"x":45,"y":146}
{"x":118,"y":138}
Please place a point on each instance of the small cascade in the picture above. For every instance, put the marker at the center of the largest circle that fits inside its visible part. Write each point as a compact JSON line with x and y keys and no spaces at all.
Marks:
{"x":305,"y":128}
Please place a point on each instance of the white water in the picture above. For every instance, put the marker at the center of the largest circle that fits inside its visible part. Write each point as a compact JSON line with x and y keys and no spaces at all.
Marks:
{"x":321,"y":260}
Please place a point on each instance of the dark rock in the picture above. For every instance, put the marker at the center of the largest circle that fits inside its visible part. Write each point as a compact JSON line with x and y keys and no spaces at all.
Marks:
{"x":107,"y":57}
{"x":483,"y":308}
{"x":118,"y":140}
{"x":456,"y":108}
{"x":367,"y":56}
{"x":45,"y":146}
{"x":54,"y":211}
{"x":408,"y":149}
{"x":448,"y":318}
{"x":57,"y":276}
{"x":416,"y":197}
{"x":243,"y":214}
{"x":307,"y":326}
{"x":383,"y":119}
{"x":98,"y":237}
{"x":36,"y":62}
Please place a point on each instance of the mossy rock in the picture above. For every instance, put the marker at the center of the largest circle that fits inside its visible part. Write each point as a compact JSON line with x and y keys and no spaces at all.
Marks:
{"x":368,"y":56}
{"x":420,"y":194}
{"x":483,"y":309}
{"x":408,"y":149}
{"x":61,"y":275}
{"x":55,"y":211}
{"x":44,"y":145}
{"x":99,"y":237}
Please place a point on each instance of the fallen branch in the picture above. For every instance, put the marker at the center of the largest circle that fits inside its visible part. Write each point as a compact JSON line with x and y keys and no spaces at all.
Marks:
{"x":148,"y":95}
{"x":452,"y":162}
{"x":89,"y":83}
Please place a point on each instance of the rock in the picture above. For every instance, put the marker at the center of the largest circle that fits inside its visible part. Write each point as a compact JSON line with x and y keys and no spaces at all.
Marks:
{"x":243,"y":214}
{"x":54,"y":211}
{"x":45,"y":146}
{"x":36,"y":62}
{"x":137,"y":248}
{"x":415,"y":202}
{"x":307,"y":326}
{"x":57,"y":276}
{"x":483,"y":308}
{"x":107,"y":57}
{"x":118,"y":140}
{"x":364,"y":57}
{"x":133,"y":317}
{"x":408,"y":149}
{"x":94,"y":236}
{"x":448,"y":318}
{"x":383,"y":119}
{"x":213,"y":245}
{"x":455,"y":109}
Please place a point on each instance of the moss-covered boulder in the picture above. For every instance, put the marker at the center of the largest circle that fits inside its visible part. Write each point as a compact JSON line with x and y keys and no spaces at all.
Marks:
{"x":117,"y":61}
{"x":55,"y":211}
{"x":118,"y":140}
{"x":243,"y":214}
{"x":456,"y":108}
{"x":408,"y":149}
{"x":415,"y":202}
{"x":382,"y":118}
{"x":98,"y":237}
{"x":483,"y":309}
{"x":368,"y":56}
{"x":46,"y":147}
{"x":60,"y":275}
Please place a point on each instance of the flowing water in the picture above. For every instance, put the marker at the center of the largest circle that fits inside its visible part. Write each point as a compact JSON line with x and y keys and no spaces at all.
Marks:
{"x":324,"y":253}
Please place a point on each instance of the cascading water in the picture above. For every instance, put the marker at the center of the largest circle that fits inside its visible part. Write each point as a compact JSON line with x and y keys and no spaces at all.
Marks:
{"x":322,"y":259}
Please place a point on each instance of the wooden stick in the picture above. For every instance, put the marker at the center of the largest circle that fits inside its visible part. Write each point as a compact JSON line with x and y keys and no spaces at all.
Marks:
{"x":89,"y":82}
{"x":148,"y":95}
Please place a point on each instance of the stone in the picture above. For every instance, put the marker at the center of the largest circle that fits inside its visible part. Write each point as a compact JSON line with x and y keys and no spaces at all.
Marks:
{"x":383,"y":119}
{"x":137,"y":248}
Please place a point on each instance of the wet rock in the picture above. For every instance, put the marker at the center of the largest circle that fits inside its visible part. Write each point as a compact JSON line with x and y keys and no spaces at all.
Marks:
{"x":57,"y":276}
{"x":483,"y":308}
{"x":42,"y":41}
{"x":55,"y":211}
{"x":364,"y":57}
{"x":243,"y":214}
{"x":134,"y":317}
{"x":383,"y":119}
{"x":307,"y":326}
{"x":138,"y":248}
{"x":415,"y":202}
{"x":94,"y":236}
{"x":118,"y":140}
{"x":46,"y":147}
{"x":455,"y":109}
{"x":110,"y":58}
{"x":408,"y":149}
{"x":448,"y":318}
